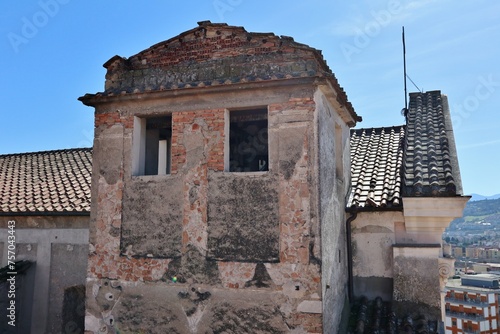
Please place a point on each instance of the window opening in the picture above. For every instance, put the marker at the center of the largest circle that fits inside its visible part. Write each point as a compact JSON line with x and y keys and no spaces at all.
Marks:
{"x":152,"y":145}
{"x":248,"y":141}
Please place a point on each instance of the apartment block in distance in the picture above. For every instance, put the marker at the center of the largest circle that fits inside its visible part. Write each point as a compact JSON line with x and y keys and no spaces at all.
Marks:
{"x":471,"y":304}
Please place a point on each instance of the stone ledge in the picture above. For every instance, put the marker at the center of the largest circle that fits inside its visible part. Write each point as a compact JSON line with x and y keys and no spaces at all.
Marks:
{"x":310,"y":306}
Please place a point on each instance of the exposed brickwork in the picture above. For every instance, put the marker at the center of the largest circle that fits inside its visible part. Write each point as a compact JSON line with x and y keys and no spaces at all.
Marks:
{"x":311,"y":322}
{"x":113,"y":118}
{"x":197,"y":146}
{"x":104,"y":259}
{"x":205,"y":244}
{"x":294,"y":194}
{"x":208,"y":122}
{"x":213,"y":55}
{"x":234,"y":275}
{"x":305,"y":104}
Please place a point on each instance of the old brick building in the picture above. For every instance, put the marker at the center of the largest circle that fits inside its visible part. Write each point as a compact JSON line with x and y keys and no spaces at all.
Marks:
{"x":229,"y":195}
{"x":220,"y":171}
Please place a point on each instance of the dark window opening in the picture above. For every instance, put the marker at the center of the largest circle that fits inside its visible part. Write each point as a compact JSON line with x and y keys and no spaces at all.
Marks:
{"x":248,"y":141}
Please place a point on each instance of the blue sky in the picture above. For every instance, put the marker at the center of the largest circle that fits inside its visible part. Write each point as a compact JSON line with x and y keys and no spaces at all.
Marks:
{"x":52,"y":52}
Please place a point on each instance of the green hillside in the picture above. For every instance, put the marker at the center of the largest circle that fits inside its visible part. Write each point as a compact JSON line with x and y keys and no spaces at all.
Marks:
{"x":478,"y":214}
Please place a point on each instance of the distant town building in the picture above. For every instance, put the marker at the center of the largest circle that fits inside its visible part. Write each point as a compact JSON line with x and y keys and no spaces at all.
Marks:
{"x":486,"y":268}
{"x":471,"y":304}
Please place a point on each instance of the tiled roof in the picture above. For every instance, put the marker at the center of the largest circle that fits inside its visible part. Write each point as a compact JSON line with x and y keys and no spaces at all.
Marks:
{"x":430,"y":167}
{"x":376,"y":160}
{"x":418,"y":159}
{"x":49,"y":181}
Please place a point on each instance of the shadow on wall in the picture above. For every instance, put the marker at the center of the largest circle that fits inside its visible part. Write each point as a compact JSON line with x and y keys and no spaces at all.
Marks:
{"x":73,"y":312}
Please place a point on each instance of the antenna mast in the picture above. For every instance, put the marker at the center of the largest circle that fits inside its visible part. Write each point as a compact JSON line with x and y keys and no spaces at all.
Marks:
{"x":404,"y":69}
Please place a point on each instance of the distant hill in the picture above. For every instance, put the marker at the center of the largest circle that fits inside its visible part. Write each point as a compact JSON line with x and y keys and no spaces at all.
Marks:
{"x":477,"y":197}
{"x":481,"y":213}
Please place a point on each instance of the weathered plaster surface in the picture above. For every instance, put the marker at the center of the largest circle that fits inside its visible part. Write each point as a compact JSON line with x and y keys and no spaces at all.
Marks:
{"x":152,"y":218}
{"x":373,"y":235}
{"x":203,"y":250}
{"x":53,"y":249}
{"x":203,"y":226}
{"x":173,"y":308}
{"x":332,"y":184}
{"x":416,"y":278}
{"x":243,"y":220}
{"x":68,"y":266}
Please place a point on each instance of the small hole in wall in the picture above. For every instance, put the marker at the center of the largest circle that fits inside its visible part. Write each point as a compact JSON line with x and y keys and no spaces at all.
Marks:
{"x":109,"y":296}
{"x":193,"y":289}
{"x":297,"y":287}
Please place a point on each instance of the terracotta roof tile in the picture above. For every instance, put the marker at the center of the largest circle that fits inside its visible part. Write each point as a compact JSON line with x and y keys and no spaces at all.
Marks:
{"x":430,"y":167}
{"x":418,"y":159}
{"x":376,"y":159}
{"x":46,"y":181}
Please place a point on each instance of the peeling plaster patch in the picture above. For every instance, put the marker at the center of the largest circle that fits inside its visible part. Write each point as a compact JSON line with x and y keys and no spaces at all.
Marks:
{"x":294,"y":199}
{"x":234,"y":275}
{"x":288,"y":276}
{"x":255,"y":319}
{"x":243,"y":220}
{"x":107,"y":296}
{"x":152,"y":217}
{"x":109,"y":152}
{"x":136,"y":314}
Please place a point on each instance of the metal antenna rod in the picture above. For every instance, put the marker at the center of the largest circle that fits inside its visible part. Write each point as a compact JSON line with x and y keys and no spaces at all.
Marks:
{"x":404,"y":68}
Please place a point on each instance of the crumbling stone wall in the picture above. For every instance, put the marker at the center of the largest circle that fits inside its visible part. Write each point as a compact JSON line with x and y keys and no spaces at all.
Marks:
{"x":202,"y":250}
{"x":203,"y":229}
{"x":243,"y":222}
